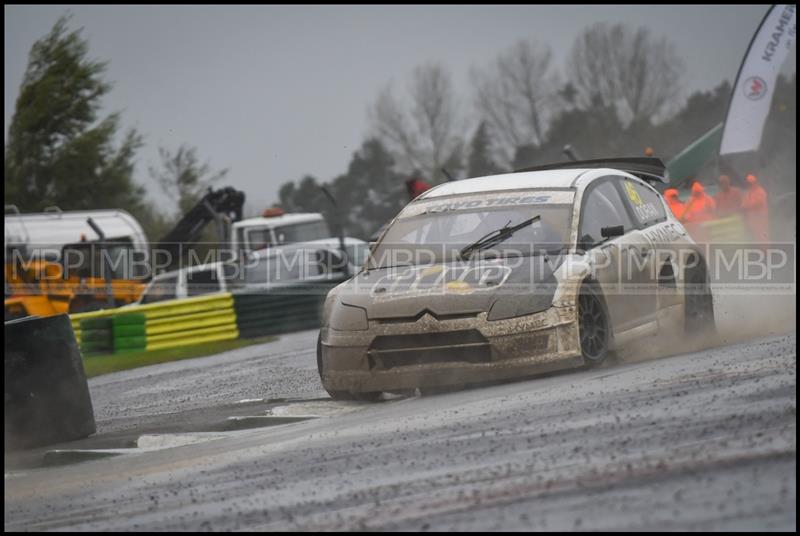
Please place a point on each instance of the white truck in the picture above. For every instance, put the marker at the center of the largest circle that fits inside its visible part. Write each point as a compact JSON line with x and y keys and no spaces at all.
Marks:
{"x":275,"y":228}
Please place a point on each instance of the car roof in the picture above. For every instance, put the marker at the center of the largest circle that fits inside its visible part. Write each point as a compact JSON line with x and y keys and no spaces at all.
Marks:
{"x":555,"y":179}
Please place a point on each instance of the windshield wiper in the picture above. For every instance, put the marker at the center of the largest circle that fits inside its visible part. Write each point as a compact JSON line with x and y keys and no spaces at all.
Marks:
{"x":495,"y":237}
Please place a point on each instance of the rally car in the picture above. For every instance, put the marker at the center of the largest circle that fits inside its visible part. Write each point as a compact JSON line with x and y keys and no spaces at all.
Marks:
{"x":513,"y":275}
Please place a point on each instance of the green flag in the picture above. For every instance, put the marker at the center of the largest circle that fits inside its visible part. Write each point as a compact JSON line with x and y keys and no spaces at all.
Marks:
{"x":690,"y":160}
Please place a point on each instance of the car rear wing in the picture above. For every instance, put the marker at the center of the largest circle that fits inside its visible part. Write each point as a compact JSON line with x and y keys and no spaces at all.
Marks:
{"x":647,"y":169}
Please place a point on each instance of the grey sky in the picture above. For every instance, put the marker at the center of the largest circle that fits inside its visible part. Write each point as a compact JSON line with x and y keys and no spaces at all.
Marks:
{"x":275,"y":92}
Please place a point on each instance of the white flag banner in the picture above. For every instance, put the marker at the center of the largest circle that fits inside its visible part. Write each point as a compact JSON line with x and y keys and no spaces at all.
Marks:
{"x":755,"y":83}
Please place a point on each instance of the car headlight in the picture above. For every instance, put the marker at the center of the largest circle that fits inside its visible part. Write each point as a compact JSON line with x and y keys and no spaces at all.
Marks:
{"x":514,"y":305}
{"x":348,"y":318}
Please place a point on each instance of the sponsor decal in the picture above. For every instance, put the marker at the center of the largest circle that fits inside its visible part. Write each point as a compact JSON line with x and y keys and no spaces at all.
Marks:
{"x":644,"y":211}
{"x":488,"y":200}
{"x":783,"y":25}
{"x":428,"y":280}
{"x":755,"y":88}
{"x":483,"y":203}
{"x":633,"y":195}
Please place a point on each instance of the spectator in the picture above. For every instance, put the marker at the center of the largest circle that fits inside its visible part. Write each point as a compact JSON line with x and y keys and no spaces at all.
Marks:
{"x":729,"y":198}
{"x":755,"y":209}
{"x":701,"y":206}
{"x":674,"y":202}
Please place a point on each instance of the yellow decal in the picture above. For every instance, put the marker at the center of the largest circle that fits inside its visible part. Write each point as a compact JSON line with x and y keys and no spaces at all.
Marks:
{"x":633,"y":195}
{"x":432,"y":270}
{"x":458,"y":286}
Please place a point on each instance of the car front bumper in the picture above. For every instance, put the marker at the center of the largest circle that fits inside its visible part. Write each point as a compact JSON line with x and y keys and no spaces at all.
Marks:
{"x":429,"y":352}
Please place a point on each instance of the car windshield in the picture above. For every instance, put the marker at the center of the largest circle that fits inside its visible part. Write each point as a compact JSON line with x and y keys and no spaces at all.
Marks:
{"x":439,"y":236}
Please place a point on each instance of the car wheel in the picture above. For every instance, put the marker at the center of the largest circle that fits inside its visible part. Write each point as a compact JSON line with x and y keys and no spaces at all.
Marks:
{"x":698,"y":305}
{"x":593,"y":326}
{"x":341,"y":395}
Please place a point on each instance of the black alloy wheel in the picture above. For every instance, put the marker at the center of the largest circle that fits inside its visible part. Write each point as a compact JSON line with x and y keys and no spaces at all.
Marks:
{"x":593,"y":327}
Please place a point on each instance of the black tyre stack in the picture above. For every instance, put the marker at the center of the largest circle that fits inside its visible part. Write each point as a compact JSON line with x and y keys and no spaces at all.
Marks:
{"x":46,"y":395}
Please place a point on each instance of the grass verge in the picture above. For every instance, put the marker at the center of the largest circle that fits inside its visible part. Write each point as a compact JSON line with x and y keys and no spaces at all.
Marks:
{"x":96,"y":365}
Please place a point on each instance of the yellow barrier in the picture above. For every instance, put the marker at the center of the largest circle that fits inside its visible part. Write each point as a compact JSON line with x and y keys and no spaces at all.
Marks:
{"x":196,"y":336}
{"x":180,"y":322}
{"x":727,"y":230}
{"x":183,"y":324}
{"x":730,"y":229}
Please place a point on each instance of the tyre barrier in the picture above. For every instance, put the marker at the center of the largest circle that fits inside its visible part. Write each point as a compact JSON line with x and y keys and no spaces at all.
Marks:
{"x":129,"y":332}
{"x":157,"y":326}
{"x":258,"y":315}
{"x":96,"y":336}
{"x":46,"y":395}
{"x":201,"y":319}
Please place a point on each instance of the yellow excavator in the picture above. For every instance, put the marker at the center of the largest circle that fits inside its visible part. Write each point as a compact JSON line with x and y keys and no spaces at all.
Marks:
{"x":77,"y":261}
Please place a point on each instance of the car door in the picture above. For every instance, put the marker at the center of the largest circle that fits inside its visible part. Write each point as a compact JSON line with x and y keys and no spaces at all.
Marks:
{"x":641,"y":275}
{"x":617,"y":261}
{"x":651,"y":215}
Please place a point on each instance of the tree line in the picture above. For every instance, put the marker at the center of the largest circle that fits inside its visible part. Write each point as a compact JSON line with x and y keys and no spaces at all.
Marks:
{"x":60,"y":152}
{"x":620,"y":91}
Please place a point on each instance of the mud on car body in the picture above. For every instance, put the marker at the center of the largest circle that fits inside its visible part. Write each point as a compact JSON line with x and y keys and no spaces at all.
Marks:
{"x":512,"y":275}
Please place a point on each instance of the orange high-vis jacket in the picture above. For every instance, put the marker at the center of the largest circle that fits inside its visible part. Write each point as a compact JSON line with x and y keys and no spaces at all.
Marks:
{"x":700,"y":207}
{"x":756,"y":210}
{"x":675,"y":204}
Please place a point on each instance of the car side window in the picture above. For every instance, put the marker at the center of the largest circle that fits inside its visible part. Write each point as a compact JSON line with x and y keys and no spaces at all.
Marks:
{"x":645,"y":203}
{"x":202,"y":282}
{"x":161,"y":290}
{"x":602,"y":207}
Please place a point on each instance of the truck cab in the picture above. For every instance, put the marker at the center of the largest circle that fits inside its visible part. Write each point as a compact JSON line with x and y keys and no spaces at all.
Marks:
{"x":275,"y":228}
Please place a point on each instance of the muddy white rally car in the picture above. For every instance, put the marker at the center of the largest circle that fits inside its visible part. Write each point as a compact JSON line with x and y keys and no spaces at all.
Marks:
{"x":512,"y":275}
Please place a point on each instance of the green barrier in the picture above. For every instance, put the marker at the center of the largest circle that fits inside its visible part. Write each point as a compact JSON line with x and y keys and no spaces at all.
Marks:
{"x":129,"y":330}
{"x":126,"y":319}
{"x":91,"y":348}
{"x":97,"y":335}
{"x":125,"y":343}
{"x":96,"y":323}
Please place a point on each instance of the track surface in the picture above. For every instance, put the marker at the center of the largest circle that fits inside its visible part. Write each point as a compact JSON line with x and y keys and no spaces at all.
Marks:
{"x":703,"y":440}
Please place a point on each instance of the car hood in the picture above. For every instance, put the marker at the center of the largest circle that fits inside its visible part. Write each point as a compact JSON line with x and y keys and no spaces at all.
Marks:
{"x":445,"y":289}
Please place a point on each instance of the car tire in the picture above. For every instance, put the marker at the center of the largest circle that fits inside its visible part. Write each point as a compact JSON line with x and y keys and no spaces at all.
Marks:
{"x":594,"y":330}
{"x":341,"y":395}
{"x":698,"y":305}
